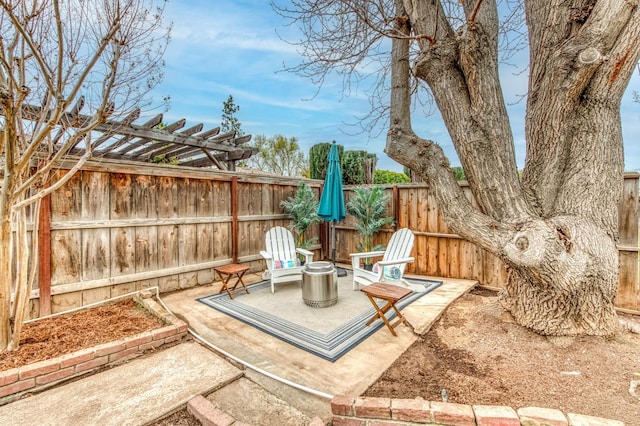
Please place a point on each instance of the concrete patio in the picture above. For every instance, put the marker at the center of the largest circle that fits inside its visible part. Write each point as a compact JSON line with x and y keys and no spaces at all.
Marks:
{"x":352,"y":374}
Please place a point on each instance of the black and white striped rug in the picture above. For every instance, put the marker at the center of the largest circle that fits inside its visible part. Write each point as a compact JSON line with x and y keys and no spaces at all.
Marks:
{"x":328,"y":332}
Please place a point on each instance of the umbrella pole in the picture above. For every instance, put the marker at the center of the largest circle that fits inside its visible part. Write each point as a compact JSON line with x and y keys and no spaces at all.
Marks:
{"x":333,"y":242}
{"x":341,"y":271}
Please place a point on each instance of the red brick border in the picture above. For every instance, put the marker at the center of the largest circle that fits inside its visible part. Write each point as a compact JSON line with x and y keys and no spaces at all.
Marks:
{"x":44,"y":374}
{"x":366,"y":411}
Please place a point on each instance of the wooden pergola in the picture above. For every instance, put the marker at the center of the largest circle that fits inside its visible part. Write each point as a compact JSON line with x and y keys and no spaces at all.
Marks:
{"x":150,"y":143}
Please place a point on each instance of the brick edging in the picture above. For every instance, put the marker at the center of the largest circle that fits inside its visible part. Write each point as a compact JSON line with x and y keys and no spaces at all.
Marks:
{"x":368,"y":411}
{"x":44,"y":374}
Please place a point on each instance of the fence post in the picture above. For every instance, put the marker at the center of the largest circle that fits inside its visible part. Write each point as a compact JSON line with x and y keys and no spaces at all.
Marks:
{"x":396,"y":205}
{"x":234,"y":219}
{"x":44,"y":255}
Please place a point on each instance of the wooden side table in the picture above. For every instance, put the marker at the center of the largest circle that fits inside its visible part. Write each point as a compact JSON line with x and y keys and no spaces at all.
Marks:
{"x":391,"y":294}
{"x":226,"y":272}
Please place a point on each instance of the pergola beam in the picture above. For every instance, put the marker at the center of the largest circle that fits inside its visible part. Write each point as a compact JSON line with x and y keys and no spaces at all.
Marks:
{"x":126,"y":140}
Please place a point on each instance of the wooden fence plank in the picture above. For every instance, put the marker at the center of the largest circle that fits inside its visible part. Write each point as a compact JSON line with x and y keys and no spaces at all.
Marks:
{"x":222,"y":237}
{"x":167,"y":193}
{"x":205,"y":231}
{"x":145,"y":197}
{"x":66,"y":263}
{"x":96,"y":248}
{"x":168,"y":256}
{"x":221,"y":198}
{"x":66,"y":259}
{"x":267,"y":199}
{"x":628,"y":213}
{"x":188,"y":240}
{"x":66,"y":203}
{"x":628,"y":295}
{"x":146,"y":256}
{"x":146,"y":202}
{"x":123,"y":247}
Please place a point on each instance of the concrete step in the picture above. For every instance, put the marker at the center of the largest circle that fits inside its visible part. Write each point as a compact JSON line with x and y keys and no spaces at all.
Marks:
{"x":135,"y":393}
{"x":250,"y":403}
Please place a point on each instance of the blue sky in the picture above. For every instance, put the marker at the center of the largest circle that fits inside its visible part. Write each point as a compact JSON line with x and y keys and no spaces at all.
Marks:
{"x":225,"y":47}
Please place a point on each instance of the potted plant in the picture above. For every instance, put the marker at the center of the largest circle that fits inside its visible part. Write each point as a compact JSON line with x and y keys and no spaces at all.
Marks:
{"x":369,"y":207}
{"x":303,"y":209}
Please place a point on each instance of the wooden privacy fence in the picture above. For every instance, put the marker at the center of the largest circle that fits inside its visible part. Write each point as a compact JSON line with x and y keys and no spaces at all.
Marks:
{"x":119,"y":226}
{"x":441,"y":253}
{"x":116,"y":227}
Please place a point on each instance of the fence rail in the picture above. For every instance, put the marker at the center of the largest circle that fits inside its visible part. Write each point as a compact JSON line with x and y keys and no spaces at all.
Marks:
{"x":116,"y":227}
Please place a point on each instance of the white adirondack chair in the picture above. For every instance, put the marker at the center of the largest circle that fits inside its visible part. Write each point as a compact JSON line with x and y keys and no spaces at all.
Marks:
{"x":391,"y":268}
{"x":280,"y":254}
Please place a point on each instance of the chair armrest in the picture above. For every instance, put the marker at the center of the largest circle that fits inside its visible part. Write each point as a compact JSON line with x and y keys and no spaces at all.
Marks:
{"x":308,"y":255}
{"x":367,"y":254}
{"x":266,"y":255}
{"x":396,"y":261}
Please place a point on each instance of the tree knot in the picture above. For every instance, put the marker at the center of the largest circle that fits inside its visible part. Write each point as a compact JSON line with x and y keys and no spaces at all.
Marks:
{"x":522,"y":243}
{"x":590,"y":55}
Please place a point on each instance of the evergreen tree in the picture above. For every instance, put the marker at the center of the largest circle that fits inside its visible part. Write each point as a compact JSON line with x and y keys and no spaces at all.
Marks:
{"x":229,"y":120}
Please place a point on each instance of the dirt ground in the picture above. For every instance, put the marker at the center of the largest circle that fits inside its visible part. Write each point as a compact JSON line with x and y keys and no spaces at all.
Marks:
{"x":474,"y":352}
{"x":477,"y":355}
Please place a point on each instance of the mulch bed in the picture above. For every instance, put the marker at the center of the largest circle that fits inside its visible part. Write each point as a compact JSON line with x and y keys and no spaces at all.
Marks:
{"x":52,"y":337}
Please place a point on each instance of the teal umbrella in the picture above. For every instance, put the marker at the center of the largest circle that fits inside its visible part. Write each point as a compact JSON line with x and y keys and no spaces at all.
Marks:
{"x":331,"y":206}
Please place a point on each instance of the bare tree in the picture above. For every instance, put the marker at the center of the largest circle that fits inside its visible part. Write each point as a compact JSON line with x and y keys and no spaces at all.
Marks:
{"x":57,"y":58}
{"x":279,"y":155}
{"x":556,"y":226}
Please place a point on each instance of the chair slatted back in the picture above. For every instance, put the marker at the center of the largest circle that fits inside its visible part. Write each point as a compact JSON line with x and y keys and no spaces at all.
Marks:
{"x":400,"y":245}
{"x":280,"y":243}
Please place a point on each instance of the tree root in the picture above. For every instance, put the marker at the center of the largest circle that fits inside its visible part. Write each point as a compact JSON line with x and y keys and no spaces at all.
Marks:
{"x":630,"y":325}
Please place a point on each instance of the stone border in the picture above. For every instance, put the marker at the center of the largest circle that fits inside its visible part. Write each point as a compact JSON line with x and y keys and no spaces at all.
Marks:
{"x":366,"y":411}
{"x":36,"y":377}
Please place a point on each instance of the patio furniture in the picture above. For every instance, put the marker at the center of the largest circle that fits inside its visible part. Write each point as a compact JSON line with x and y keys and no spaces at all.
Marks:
{"x":319,"y":284}
{"x":391,"y":268}
{"x":226,"y":272}
{"x":281,"y":257}
{"x":391,"y":294}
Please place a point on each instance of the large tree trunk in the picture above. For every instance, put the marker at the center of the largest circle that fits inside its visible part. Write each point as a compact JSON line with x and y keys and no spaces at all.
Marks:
{"x":565,"y":280}
{"x":556,"y":227}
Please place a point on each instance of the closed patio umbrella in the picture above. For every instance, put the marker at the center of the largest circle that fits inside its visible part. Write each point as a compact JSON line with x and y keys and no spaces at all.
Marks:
{"x":331,"y":207}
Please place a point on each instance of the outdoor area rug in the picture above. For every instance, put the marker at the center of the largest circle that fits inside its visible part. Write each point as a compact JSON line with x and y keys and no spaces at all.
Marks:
{"x":326,"y":332}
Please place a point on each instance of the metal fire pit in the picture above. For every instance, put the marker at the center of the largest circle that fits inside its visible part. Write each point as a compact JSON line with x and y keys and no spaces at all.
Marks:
{"x":319,"y":284}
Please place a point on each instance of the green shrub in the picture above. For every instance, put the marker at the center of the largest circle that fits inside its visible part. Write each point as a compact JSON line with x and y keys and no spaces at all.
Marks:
{"x":386,"y":177}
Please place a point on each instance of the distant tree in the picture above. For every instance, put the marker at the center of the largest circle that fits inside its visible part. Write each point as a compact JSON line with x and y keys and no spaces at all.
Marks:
{"x":369,"y":168}
{"x":91,"y":57}
{"x":318,"y":163}
{"x":386,"y":177}
{"x":229,"y":120}
{"x":352,"y":163}
{"x":279,"y":155}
